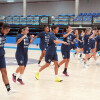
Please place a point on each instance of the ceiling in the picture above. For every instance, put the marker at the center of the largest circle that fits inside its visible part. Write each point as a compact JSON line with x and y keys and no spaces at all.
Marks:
{"x":5,"y":1}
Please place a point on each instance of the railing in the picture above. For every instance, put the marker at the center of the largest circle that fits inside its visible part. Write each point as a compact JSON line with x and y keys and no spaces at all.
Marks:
{"x":48,"y":20}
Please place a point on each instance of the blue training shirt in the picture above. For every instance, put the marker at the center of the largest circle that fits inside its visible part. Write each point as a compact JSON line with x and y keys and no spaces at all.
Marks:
{"x":22,"y":47}
{"x":44,"y":38}
{"x":51,"y":50}
{"x":2,"y":42}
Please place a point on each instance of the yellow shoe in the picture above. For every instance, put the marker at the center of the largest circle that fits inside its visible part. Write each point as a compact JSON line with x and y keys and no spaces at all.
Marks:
{"x":58,"y":80}
{"x":37,"y":75}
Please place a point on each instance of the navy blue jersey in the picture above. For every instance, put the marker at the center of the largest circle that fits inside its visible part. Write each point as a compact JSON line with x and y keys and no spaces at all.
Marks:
{"x":80,"y":38}
{"x":2,"y":42}
{"x":98,"y":41}
{"x":87,"y":41}
{"x":73,"y":38}
{"x":67,"y":39}
{"x":51,"y":50}
{"x":92,"y":40}
{"x":44,"y":38}
{"x":22,"y":47}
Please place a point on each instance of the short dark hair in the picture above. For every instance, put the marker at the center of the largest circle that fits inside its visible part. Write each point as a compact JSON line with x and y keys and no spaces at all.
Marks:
{"x":64,"y":30}
{"x":46,"y":26}
{"x":20,"y":29}
{"x":54,"y":27}
{"x":5,"y":26}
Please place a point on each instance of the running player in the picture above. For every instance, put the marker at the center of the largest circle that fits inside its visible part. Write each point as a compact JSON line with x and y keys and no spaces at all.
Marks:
{"x":44,"y":36}
{"x":51,"y":54}
{"x":73,"y":41}
{"x":23,"y":42}
{"x":65,"y":49}
{"x":87,"y":46}
{"x":97,"y":43}
{"x":80,"y":42}
{"x":5,"y":28}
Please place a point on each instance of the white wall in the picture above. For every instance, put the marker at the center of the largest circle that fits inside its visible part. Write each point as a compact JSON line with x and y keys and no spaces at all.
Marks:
{"x":51,"y":8}
{"x":42,"y":8}
{"x":91,"y":6}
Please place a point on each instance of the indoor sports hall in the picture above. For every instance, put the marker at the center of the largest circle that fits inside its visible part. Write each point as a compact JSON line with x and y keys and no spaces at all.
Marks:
{"x":49,"y":49}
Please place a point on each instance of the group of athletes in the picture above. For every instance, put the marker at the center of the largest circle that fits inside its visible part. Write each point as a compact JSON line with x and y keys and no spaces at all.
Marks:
{"x":88,"y":43}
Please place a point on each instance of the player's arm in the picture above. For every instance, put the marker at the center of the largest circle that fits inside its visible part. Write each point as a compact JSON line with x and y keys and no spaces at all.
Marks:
{"x":20,"y":39}
{"x":31,"y":38}
{"x":59,"y":42}
{"x":95,"y":45}
{"x":64,"y":36}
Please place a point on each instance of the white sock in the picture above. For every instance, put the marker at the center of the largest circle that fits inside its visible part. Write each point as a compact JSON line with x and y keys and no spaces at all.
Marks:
{"x":15,"y":74}
{"x":20,"y":76}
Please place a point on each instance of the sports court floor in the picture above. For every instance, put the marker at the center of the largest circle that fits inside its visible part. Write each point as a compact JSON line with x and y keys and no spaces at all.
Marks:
{"x":82,"y":84}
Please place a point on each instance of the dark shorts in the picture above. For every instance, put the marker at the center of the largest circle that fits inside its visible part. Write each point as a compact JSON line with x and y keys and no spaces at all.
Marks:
{"x":86,"y":50}
{"x":22,"y":60}
{"x":49,"y":58}
{"x":73,"y":46}
{"x":92,"y":45}
{"x":2,"y":62}
{"x":66,"y":54}
{"x":80,"y":45}
{"x":42,"y":47}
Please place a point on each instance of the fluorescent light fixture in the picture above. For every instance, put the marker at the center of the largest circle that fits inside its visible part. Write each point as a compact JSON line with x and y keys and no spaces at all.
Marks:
{"x":10,"y":0}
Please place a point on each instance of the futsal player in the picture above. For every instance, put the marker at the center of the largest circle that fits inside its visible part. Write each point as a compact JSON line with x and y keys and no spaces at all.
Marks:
{"x":5,"y":28}
{"x":23,"y":41}
{"x":51,"y":54}
{"x":44,"y":36}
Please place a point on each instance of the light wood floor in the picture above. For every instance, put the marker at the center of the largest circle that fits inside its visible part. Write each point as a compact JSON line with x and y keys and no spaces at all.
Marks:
{"x":83,"y":84}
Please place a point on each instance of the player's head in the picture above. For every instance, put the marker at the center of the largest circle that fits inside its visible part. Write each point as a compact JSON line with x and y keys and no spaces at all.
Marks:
{"x":5,"y":28}
{"x":46,"y":28}
{"x":55,"y":29}
{"x":95,"y":29}
{"x":88,"y":31}
{"x":68,"y":28}
{"x":24,"y":30}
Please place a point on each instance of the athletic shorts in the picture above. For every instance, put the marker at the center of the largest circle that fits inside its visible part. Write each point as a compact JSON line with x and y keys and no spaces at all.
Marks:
{"x":66,"y":54}
{"x":22,"y":60}
{"x":2,"y":62}
{"x":49,"y":58}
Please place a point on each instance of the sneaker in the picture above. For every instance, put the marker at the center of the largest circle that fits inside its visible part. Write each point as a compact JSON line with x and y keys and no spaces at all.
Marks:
{"x":97,"y":55}
{"x":37,"y":75}
{"x":11,"y":92}
{"x":20,"y":81}
{"x":66,"y":74}
{"x":85,"y":66}
{"x":57,"y":79}
{"x":13,"y":77}
{"x":78,"y":56}
{"x":97,"y":63}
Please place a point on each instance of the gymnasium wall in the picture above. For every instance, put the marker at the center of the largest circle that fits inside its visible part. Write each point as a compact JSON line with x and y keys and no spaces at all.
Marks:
{"x":51,"y":8}
{"x":41,"y":8}
{"x":89,"y":6}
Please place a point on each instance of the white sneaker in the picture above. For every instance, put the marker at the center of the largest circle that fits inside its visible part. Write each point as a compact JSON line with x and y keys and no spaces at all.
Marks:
{"x":97,"y":63}
{"x":85,"y":66}
{"x":87,"y":62}
{"x":12,"y":91}
{"x":97,"y":55}
{"x":78,"y":56}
